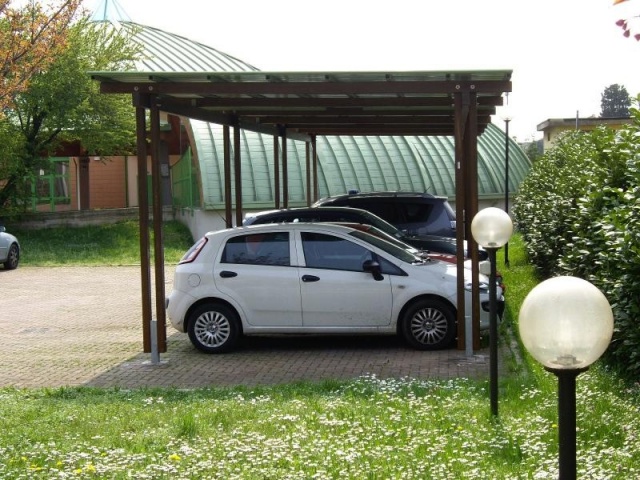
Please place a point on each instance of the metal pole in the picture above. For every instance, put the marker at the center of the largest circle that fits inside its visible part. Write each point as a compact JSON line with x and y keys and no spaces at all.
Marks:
{"x":567,"y":421}
{"x":155,"y":353}
{"x":506,"y":184}
{"x":493,"y":334}
{"x":468,"y":338}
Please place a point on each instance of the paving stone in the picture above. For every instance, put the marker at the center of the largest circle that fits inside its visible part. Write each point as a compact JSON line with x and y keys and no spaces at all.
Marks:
{"x":69,"y":326}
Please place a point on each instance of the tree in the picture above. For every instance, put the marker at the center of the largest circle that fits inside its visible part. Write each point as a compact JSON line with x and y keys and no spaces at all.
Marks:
{"x":30,"y":39}
{"x":533,"y":150}
{"x":615,"y":102}
{"x":63,"y":104}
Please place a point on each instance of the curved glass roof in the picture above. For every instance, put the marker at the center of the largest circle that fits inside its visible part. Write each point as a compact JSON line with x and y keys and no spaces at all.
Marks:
{"x":166,"y":52}
{"x":365,"y":163}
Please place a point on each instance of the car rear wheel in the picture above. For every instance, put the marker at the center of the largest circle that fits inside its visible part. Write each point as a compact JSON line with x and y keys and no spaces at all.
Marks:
{"x":213,"y":328}
{"x":13,"y":258}
{"x":429,"y":324}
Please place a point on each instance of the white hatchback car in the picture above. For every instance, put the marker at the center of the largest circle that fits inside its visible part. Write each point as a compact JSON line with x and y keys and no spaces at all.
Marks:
{"x":301,"y":278}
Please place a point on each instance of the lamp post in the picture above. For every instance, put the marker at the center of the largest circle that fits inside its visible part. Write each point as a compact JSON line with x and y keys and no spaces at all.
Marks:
{"x":507,"y":117}
{"x":566,"y":324}
{"x":492,"y":228}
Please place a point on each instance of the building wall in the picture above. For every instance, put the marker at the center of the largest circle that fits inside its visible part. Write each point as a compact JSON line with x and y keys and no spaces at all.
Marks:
{"x":554,"y":127}
{"x":113,"y":183}
{"x":131,"y":180}
{"x":107,"y":187}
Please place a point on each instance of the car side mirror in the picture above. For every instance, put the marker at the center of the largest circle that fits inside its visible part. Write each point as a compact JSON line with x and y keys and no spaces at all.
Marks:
{"x":373,"y":267}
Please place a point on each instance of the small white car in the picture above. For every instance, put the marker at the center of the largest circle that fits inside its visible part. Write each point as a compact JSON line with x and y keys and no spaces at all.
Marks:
{"x":9,"y":249}
{"x":301,"y":278}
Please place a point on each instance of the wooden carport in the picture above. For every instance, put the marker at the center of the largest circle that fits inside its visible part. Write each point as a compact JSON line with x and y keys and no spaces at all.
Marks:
{"x":301,"y":106}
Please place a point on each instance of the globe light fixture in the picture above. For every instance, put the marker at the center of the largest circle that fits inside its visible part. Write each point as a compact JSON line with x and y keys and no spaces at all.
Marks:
{"x":492,"y":228}
{"x":566,"y":323}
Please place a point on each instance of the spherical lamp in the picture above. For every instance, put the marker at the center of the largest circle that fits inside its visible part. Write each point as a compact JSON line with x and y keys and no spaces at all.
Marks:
{"x":566,"y":323}
{"x":491,"y":227}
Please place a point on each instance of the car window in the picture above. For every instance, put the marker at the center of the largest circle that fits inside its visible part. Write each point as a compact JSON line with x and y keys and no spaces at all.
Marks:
{"x":258,"y":249}
{"x":326,"y":251}
{"x":415,"y":212}
{"x":384,"y":209}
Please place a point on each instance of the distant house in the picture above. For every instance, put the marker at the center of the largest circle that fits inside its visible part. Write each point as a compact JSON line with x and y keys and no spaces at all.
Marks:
{"x":553,"y":127}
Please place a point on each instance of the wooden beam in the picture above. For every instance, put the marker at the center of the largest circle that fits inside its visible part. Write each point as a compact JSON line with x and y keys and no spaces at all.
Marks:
{"x":276,"y":170}
{"x":307,"y":88}
{"x":459,"y":148}
{"x":237,"y":164}
{"x":285,"y":169}
{"x":143,"y":214}
{"x":228,"y":206}
{"x":158,"y":240}
{"x":471,"y":208}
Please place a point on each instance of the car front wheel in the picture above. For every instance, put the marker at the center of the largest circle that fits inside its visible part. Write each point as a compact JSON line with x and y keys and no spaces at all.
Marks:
{"x":429,"y":324}
{"x":213,"y":328}
{"x":13,"y":258}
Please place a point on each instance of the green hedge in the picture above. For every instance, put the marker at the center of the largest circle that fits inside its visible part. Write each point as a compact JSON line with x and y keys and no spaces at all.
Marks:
{"x":579,"y":213}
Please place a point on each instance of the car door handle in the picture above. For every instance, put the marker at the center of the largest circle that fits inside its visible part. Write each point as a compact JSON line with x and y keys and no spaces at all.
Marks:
{"x":310,"y":278}
{"x":228,"y":274}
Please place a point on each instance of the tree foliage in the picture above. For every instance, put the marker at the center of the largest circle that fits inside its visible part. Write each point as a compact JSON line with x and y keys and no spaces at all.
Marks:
{"x":63,"y":104}
{"x":579,"y":210}
{"x":30,"y":39}
{"x":533,"y":150}
{"x":615,"y":102}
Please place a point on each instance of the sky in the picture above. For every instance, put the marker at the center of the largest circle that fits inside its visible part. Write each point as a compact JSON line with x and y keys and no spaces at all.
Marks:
{"x":563,"y":53}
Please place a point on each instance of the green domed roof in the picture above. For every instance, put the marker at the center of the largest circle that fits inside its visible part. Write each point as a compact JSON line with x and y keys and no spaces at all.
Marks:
{"x":365,"y":163}
{"x":418,"y":164}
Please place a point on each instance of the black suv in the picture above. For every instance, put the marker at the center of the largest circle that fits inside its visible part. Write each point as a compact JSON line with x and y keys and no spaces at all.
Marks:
{"x":431,"y":243}
{"x":415,"y":213}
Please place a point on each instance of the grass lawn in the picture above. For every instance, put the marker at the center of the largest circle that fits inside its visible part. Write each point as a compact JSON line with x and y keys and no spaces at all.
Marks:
{"x":369,"y":428}
{"x":115,"y":244}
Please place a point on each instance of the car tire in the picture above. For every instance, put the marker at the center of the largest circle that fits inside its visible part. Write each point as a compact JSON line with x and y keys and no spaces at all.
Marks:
{"x":213,"y":328}
{"x":429,"y":324}
{"x":13,"y":258}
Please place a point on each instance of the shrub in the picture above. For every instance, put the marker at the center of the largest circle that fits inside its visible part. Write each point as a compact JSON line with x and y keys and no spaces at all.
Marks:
{"x":579,"y":214}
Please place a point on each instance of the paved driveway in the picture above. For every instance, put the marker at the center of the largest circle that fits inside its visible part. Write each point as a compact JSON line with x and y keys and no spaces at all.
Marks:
{"x":67,"y":326}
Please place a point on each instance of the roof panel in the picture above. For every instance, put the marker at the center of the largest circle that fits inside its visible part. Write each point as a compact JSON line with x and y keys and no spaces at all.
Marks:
{"x":322,"y":103}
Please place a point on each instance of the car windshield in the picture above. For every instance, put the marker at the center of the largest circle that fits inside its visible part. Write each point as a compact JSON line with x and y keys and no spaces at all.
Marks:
{"x":394,"y":250}
{"x":391,"y":239}
{"x":383,"y":225}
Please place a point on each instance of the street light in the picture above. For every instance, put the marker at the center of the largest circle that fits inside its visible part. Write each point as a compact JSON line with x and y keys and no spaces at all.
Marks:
{"x":566,"y":324}
{"x":492,"y":228}
{"x":507,"y":117}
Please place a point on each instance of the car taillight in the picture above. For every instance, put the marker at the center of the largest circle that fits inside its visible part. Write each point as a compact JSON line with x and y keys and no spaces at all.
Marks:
{"x":194,"y":251}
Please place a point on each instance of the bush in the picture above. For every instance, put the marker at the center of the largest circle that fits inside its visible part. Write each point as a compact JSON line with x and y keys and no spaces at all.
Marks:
{"x":579,"y":214}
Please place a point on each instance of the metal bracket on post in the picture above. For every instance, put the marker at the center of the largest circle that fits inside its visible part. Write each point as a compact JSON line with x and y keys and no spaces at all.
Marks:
{"x":468,"y":337}
{"x":155,"y":354}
